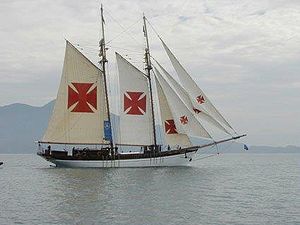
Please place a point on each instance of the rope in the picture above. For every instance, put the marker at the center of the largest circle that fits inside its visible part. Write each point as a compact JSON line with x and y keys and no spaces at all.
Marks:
{"x":205,"y":152}
{"x":124,"y":29}
{"x":153,"y":28}
{"x":217,"y":147}
{"x":126,"y":49}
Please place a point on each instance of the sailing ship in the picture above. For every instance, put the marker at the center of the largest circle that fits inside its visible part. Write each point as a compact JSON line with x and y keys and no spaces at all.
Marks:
{"x":81,"y":117}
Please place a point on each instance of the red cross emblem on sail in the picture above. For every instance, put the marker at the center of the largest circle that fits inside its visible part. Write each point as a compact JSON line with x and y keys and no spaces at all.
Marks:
{"x":170,"y":127}
{"x":184,"y":120}
{"x":197,"y":111}
{"x":84,"y":96}
{"x":135,"y":103}
{"x":200,"y":99}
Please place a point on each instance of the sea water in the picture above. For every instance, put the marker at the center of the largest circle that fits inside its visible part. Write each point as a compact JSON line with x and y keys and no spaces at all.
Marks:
{"x":224,"y":189}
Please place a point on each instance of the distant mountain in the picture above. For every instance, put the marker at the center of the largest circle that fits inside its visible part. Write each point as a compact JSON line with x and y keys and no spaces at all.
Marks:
{"x":270,"y":149}
{"x":21,"y":125}
{"x":235,"y":147}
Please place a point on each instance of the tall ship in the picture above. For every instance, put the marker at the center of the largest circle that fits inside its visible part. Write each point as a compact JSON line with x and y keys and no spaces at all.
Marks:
{"x":82,"y":133}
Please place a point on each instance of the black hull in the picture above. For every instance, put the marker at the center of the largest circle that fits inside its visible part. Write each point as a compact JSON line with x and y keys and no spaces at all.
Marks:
{"x":107,"y":155}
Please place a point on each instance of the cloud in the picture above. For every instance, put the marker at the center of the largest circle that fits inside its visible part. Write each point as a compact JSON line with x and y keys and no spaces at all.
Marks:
{"x":244,"y":54}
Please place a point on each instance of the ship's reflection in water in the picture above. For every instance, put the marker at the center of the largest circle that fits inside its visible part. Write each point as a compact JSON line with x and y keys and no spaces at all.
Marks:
{"x":128,"y":195}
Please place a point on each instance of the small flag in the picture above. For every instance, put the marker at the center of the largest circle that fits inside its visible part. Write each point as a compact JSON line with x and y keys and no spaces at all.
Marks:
{"x":107,"y":131}
{"x":246,"y":147}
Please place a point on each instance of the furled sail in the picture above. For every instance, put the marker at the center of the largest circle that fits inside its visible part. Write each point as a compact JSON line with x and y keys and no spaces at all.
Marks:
{"x":184,"y":120}
{"x":80,"y":107}
{"x":198,"y":111}
{"x":135,"y":112}
{"x":196,"y":94}
{"x":172,"y":136}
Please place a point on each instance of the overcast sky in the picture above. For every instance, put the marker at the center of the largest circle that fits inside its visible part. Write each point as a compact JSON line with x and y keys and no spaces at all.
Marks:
{"x":244,"y":54}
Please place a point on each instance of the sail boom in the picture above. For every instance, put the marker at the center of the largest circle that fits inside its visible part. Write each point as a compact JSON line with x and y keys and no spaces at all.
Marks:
{"x":68,"y":143}
{"x":217,"y":142}
{"x":134,"y":145}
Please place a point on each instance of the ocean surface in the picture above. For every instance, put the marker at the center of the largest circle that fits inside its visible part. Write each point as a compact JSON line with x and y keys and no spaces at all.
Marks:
{"x":224,"y":189}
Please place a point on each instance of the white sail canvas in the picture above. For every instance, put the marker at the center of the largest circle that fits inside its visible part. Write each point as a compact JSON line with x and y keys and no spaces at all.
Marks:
{"x":185,"y":121}
{"x":171,"y":134}
{"x":197,"y":96}
{"x":80,"y":108}
{"x":135,"y":108}
{"x":199,"y":112}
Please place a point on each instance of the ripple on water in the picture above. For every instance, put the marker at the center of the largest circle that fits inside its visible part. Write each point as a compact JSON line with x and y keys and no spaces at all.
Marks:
{"x":228,"y":189}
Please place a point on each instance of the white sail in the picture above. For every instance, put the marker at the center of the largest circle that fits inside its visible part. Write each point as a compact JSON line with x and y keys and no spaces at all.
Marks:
{"x":80,"y":107}
{"x":198,"y":111}
{"x":171,"y":134}
{"x":196,"y":94}
{"x":185,"y":121}
{"x":135,"y":110}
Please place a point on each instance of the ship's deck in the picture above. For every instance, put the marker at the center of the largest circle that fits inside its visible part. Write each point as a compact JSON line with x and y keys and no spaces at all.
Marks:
{"x":107,"y":154}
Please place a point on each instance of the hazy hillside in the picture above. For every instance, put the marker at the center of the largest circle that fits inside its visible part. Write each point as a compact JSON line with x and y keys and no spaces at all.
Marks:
{"x":21,"y":125}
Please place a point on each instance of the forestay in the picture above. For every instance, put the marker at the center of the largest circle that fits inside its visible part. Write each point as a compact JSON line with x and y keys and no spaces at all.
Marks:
{"x":135,"y":112}
{"x":80,"y":108}
{"x":197,"y":96}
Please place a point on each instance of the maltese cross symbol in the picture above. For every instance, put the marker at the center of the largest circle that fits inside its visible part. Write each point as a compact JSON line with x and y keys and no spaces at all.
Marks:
{"x":170,"y":127}
{"x":200,"y":99}
{"x":184,"y":120}
{"x":197,"y":111}
{"x":135,"y":103}
{"x":83,"y":97}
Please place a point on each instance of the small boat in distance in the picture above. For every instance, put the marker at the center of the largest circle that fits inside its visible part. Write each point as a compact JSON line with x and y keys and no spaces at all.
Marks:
{"x":81,"y":117}
{"x":1,"y":163}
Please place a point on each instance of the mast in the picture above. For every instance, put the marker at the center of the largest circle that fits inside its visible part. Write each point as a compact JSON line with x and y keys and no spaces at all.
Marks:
{"x":148,"y":69}
{"x":102,"y":62}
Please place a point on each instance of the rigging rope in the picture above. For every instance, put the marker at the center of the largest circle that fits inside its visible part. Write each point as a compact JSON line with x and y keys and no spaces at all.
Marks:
{"x":217,"y":153}
{"x":124,"y":29}
{"x":126,"y":49}
{"x":153,"y":28}
{"x":204,"y":153}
